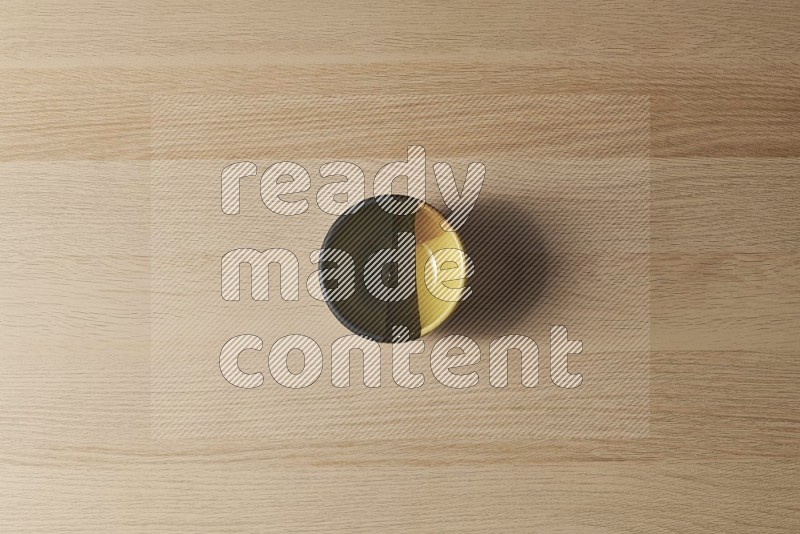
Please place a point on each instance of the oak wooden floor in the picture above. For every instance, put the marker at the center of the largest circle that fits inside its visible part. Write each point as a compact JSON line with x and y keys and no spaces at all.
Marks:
{"x":76,"y":82}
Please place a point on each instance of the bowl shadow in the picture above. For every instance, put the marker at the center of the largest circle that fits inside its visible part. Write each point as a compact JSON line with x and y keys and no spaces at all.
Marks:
{"x":513,"y":269}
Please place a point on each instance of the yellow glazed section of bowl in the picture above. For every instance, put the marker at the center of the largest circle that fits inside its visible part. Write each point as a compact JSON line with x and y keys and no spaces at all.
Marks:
{"x":431,"y":236}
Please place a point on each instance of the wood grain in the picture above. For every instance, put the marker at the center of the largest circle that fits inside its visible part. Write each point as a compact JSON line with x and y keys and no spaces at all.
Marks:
{"x":76,"y":83}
